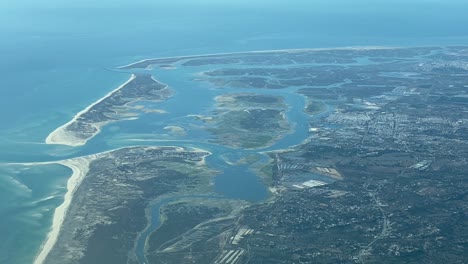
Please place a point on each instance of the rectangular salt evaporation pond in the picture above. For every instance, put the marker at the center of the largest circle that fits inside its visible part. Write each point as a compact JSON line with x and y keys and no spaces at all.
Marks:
{"x":305,"y":180}
{"x":28,"y":198}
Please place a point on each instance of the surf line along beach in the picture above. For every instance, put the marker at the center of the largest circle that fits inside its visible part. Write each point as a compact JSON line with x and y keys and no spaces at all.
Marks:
{"x":62,"y":135}
{"x":80,"y":168}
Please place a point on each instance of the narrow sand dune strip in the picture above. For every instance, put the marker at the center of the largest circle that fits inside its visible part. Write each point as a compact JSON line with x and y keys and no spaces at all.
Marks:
{"x":80,"y":167}
{"x":151,"y":60}
{"x":64,"y":136}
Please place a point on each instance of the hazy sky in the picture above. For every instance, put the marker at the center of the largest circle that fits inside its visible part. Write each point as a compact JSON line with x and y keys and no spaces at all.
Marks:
{"x":239,"y":3}
{"x":245,"y":21}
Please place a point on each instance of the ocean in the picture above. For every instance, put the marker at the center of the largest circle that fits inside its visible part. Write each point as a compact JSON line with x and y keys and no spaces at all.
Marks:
{"x":56,"y":59}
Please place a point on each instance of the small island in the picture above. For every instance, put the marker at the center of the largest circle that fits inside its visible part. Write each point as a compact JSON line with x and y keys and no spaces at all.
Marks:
{"x":248,"y":120}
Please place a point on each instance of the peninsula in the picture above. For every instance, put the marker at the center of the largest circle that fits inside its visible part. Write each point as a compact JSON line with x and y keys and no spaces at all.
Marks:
{"x":115,"y":106}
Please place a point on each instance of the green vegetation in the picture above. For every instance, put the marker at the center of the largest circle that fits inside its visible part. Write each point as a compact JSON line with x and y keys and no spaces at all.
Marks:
{"x":250,"y":159}
{"x":315,"y":107}
{"x":249,"y":121}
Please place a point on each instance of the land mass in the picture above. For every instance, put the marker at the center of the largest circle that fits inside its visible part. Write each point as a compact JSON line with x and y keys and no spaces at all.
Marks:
{"x":106,"y":207}
{"x":380,"y":178}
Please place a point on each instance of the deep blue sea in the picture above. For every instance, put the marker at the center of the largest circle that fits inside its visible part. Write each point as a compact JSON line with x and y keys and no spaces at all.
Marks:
{"x":54,"y":61}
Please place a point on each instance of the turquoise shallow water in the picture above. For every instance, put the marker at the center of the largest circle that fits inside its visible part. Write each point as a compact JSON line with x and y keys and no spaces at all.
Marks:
{"x":53,"y":64}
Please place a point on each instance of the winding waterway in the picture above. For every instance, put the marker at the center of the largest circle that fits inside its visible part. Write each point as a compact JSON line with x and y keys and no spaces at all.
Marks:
{"x":196,"y":97}
{"x":193,"y":96}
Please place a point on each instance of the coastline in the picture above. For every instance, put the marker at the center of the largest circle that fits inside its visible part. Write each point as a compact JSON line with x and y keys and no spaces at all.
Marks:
{"x":64,"y":137}
{"x":256,"y":52}
{"x":203,"y":161}
{"x":80,"y":167}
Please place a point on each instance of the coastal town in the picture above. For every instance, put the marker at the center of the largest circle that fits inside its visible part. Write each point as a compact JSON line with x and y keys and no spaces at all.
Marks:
{"x":378,"y":177}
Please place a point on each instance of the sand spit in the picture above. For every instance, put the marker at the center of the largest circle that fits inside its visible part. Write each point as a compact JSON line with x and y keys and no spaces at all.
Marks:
{"x":80,"y":167}
{"x":64,"y":136}
{"x":258,"y":52}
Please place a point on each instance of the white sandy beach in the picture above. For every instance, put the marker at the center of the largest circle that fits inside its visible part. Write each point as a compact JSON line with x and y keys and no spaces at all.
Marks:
{"x":66,"y":137}
{"x":203,"y":161}
{"x":80,"y":167}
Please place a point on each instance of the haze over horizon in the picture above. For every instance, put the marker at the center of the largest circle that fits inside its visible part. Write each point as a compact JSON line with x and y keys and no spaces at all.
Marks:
{"x":61,"y":57}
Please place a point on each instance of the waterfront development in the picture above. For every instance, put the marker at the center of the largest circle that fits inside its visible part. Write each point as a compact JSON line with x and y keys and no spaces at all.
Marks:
{"x":364,"y":164}
{"x":252,"y":157}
